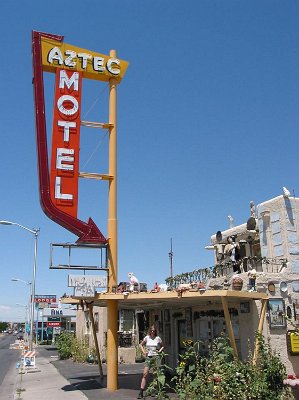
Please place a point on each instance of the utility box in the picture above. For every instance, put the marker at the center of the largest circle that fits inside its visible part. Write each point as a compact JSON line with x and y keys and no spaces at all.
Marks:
{"x":293,"y":342}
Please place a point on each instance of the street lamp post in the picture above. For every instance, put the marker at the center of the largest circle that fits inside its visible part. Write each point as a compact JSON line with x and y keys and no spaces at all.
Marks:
{"x":35,"y":232}
{"x":29,"y":317}
{"x":26,"y":311}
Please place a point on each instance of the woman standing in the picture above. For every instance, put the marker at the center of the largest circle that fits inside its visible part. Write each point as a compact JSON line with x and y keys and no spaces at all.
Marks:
{"x":150,"y":346}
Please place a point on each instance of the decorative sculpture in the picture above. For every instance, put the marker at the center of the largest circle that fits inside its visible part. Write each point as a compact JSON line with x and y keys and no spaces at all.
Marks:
{"x":134,"y":282}
{"x":252,"y":279}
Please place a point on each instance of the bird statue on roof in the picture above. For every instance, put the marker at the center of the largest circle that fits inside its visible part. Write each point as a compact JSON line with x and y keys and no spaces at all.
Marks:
{"x":252,"y":209}
{"x":231,"y":221}
{"x":286,"y":192}
{"x":133,"y":282}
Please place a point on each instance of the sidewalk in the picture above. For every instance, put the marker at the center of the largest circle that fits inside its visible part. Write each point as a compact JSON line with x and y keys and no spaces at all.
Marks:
{"x":43,"y":382}
{"x":64,"y":379}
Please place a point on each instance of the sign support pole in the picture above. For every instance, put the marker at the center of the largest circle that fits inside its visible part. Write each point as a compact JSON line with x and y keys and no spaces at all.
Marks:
{"x":112,"y":305}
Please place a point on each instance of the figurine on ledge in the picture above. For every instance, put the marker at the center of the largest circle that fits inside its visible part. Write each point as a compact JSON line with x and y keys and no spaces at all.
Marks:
{"x":183,"y":287}
{"x":134,"y":282}
{"x":252,"y":280}
{"x":156,"y":288}
{"x":232,"y":253}
{"x":226,"y":284}
{"x":201,"y":286}
{"x":120,"y":288}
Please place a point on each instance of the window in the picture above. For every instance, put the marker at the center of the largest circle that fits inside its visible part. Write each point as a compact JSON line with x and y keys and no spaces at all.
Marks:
{"x":127,"y":320}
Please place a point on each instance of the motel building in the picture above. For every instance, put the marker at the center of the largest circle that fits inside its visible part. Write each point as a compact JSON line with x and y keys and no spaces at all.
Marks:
{"x":253,"y":286}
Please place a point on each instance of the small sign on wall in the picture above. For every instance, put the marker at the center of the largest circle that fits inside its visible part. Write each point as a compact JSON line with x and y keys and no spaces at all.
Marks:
{"x":277,"y":313}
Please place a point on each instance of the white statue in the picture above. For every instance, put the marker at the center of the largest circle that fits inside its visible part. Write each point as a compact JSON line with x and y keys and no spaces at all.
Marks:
{"x":163,"y":287}
{"x":286,"y":192}
{"x":252,"y":209}
{"x":231,"y":221}
{"x":133,"y":281}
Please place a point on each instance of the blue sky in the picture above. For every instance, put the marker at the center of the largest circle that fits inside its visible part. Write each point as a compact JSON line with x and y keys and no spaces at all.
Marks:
{"x":208,"y":120}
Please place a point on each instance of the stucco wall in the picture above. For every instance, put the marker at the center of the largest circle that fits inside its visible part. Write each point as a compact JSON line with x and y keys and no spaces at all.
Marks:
{"x":84,"y":328}
{"x":278,"y":228}
{"x":84,"y":331}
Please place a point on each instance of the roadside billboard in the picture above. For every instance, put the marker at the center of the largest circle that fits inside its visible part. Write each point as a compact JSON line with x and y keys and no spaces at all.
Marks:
{"x":45,"y":298}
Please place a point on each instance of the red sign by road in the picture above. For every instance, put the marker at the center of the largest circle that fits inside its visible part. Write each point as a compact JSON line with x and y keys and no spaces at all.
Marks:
{"x":50,"y":298}
{"x":54,"y":324}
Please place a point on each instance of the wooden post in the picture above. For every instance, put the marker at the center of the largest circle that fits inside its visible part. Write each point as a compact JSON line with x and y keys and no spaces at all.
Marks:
{"x":90,"y":307}
{"x":260,"y":329}
{"x":229,"y":326}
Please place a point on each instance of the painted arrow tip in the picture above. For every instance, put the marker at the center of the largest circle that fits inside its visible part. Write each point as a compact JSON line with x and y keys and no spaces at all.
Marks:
{"x":92,"y":234}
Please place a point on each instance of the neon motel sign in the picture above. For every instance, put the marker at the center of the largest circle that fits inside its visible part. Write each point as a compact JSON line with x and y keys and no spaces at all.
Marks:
{"x":66,"y":141}
{"x":59,"y":188}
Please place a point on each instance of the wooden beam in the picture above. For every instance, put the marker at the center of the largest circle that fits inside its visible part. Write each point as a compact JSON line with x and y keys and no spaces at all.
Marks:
{"x":260,"y":330}
{"x":90,"y":308}
{"x":94,"y":175}
{"x":101,"y":125}
{"x":229,"y":326}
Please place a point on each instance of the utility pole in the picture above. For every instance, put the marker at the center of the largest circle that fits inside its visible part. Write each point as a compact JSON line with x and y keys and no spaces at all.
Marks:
{"x":112,"y":305}
{"x":170,"y":254}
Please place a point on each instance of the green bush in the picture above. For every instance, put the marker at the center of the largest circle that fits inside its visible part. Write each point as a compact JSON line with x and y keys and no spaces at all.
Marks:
{"x":64,"y":344}
{"x":69,"y":346}
{"x":158,"y":387}
{"x":80,"y":350}
{"x":221,"y":376}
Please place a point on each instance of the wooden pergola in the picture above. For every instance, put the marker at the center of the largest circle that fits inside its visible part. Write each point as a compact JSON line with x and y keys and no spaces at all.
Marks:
{"x":149,"y":300}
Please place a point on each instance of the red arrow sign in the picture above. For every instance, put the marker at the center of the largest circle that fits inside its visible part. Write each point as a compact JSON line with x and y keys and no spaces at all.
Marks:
{"x":87,"y":232}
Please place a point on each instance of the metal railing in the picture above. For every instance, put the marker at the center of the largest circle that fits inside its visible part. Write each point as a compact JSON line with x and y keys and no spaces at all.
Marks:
{"x":260,"y":264}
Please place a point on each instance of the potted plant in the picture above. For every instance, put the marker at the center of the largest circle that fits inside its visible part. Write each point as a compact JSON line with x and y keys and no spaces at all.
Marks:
{"x":237,"y":282}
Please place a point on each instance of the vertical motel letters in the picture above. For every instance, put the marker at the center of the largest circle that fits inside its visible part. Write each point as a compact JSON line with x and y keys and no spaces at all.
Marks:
{"x":66,"y":141}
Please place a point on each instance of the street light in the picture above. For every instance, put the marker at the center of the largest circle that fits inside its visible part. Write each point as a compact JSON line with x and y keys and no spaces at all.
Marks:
{"x":28,"y":316}
{"x":20,"y":280}
{"x":26,"y":310}
{"x":35,"y":232}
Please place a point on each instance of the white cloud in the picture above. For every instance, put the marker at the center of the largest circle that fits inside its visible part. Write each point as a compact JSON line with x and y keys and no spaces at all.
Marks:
{"x":5,"y":308}
{"x":8,"y":313}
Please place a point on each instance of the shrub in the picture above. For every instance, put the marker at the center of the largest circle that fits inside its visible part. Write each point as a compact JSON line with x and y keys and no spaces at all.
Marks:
{"x":69,"y":346}
{"x":158,"y":386}
{"x":79,"y":350}
{"x":267,"y":377}
{"x":64,"y":344}
{"x":221,"y":376}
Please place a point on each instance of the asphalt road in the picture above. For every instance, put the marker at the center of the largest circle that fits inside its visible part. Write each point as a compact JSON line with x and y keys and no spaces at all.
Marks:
{"x":8,"y":357}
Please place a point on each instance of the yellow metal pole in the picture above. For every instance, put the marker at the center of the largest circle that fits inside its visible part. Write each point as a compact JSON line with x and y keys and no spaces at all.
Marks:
{"x":229,"y":326}
{"x":260,"y":329}
{"x":112,"y":305}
